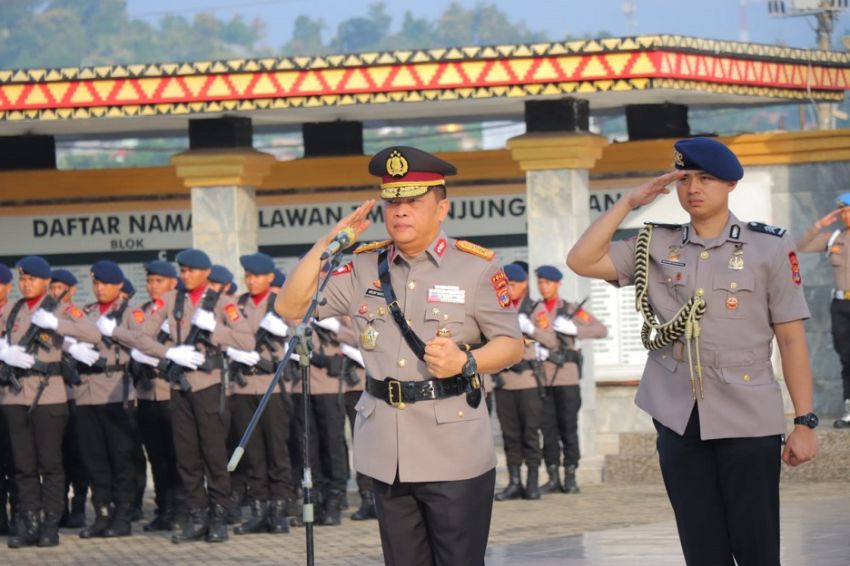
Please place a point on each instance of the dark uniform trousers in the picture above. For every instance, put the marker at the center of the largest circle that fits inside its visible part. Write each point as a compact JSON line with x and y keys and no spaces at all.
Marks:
{"x":328,"y":451}
{"x":200,"y":442}
{"x":269,"y":471}
{"x":107,"y":441}
{"x":72,"y":460}
{"x":8,"y":493}
{"x":157,"y":436}
{"x":840,"y":311}
{"x":435,"y":523}
{"x":364,"y":482}
{"x":520,"y":414}
{"x":560,"y":421}
{"x":725,"y":494}
{"x":36,"y":442}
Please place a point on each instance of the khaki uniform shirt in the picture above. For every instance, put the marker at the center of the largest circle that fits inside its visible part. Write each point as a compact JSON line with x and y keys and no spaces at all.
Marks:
{"x":443,"y":287}
{"x":745,"y":295}
{"x":586,"y":324}
{"x":838,"y":253}
{"x":257,"y":384}
{"x":346,"y":335}
{"x":4,"y":312}
{"x":134,"y":332}
{"x":544,"y":335}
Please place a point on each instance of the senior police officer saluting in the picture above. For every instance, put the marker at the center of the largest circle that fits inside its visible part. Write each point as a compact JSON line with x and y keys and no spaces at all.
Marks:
{"x":422,"y":431}
{"x":709,"y":383}
{"x":836,"y":245}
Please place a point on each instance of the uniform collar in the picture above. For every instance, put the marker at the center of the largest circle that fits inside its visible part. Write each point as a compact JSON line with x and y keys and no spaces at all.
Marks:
{"x":257,"y":299}
{"x":735,"y":231}
{"x":436,"y":250}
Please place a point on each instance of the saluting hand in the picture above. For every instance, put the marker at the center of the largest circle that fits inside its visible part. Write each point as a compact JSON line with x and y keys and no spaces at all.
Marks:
{"x":648,"y":192}
{"x":358,"y":220}
{"x":443,"y":357}
{"x":828,"y":220}
{"x":801,"y":445}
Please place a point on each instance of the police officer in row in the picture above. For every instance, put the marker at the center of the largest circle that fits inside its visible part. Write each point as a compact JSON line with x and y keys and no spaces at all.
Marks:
{"x":7,"y":470}
{"x":714,"y":293}
{"x":835,"y":245}
{"x":422,"y":306}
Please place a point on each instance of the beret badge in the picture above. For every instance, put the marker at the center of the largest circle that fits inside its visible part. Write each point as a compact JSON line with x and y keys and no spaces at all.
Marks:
{"x":396,"y":164}
{"x":678,"y":159}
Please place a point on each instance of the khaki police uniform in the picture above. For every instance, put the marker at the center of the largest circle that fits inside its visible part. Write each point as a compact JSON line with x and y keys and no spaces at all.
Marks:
{"x":7,"y":470}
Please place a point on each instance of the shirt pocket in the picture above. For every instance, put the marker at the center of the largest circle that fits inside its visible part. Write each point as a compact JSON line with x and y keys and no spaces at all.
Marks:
{"x":374,"y":312}
{"x":731,"y":295}
{"x":455,"y":410}
{"x":668,"y":291}
{"x":365,"y":405}
{"x":446,"y":317}
{"x":837,"y":254}
{"x":760,"y":375}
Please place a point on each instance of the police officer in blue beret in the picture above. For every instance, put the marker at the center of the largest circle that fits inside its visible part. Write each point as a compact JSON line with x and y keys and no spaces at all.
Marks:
{"x":220,"y":278}
{"x":714,"y":293}
{"x":7,"y":472}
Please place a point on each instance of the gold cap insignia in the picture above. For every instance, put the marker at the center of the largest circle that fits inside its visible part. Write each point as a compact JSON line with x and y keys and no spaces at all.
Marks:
{"x":396,"y":164}
{"x":678,"y":158}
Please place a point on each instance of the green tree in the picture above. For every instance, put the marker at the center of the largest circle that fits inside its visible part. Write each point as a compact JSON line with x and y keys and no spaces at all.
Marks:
{"x":306,"y":38}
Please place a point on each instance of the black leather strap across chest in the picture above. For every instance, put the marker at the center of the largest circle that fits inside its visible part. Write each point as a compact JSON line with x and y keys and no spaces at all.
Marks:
{"x":415,"y":342}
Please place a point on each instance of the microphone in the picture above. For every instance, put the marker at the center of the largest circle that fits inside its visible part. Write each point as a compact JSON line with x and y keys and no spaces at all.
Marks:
{"x":340,"y":242}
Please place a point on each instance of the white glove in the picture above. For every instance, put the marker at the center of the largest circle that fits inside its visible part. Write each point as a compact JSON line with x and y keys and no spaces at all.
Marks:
{"x":204,"y":320}
{"x":44,"y":319}
{"x":165,"y":327}
{"x":294,"y":357}
{"x":525,"y":324}
{"x":15,"y":356}
{"x":106,"y":325}
{"x":247,"y":357}
{"x":84,"y":353}
{"x":68,"y":341}
{"x":563,"y":325}
{"x":4,"y":345}
{"x":352,"y":353}
{"x":331,"y":324}
{"x":144,"y":358}
{"x":185,"y":355}
{"x":274,"y":324}
{"x":540,"y":352}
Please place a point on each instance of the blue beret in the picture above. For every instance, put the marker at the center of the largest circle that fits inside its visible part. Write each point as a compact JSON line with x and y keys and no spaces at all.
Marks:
{"x":843,"y":200}
{"x":258,"y":263}
{"x":549,"y":272}
{"x":107,"y":271}
{"x":5,"y":274}
{"x":194,"y":258}
{"x":220,"y":274}
{"x":515,"y":272}
{"x":34,"y":265}
{"x":63,"y":276}
{"x":709,"y":155}
{"x":159,"y":267}
{"x":231,"y":289}
{"x":279,"y":278}
{"x":128,"y":287}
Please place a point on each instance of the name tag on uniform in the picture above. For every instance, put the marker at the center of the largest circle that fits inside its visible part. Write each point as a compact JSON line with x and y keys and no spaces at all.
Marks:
{"x":446,"y":294}
{"x":375,"y":293}
{"x":673,"y":263}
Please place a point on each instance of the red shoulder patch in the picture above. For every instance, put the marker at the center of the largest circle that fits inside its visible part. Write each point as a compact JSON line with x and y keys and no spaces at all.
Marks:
{"x":232,"y":312}
{"x":440,"y":247}
{"x":347,"y":268}
{"x":156,"y":305}
{"x":138,"y":316}
{"x":796,"y":276}
{"x":74,"y":312}
{"x":542,"y":320}
{"x":583,"y":315}
{"x":500,"y":284}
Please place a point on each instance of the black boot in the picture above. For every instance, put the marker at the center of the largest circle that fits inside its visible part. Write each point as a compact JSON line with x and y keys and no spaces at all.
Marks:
{"x":514,"y":488}
{"x":367,"y":507}
{"x":278,"y":516}
{"x":554,"y":483}
{"x":570,"y":485}
{"x":77,"y":517}
{"x":101,"y":523}
{"x":194,"y":526}
{"x":163,"y":519}
{"x":49,"y":535}
{"x":120,"y":523}
{"x":258,"y":522}
{"x":531,"y":489}
{"x":4,"y":520}
{"x":218,"y":523}
{"x":332,"y":508}
{"x":295,"y":509}
{"x":234,"y":513}
{"x":13,"y":522}
{"x":26,"y":533}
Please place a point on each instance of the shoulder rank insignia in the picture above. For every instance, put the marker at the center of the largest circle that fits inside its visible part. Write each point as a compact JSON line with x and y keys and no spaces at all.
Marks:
{"x":74,"y":312}
{"x":475,"y":249}
{"x":232,"y":312}
{"x":138,"y":316}
{"x":663,"y":225}
{"x":372,"y":246}
{"x":343,"y":269}
{"x":766,"y":229}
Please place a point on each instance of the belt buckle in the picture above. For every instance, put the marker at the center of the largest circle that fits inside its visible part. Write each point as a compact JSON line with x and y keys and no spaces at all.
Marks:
{"x":394,"y":394}
{"x":847,"y":294}
{"x":475,"y":381}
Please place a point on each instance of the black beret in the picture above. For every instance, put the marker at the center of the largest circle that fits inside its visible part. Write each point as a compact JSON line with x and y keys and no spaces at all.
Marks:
{"x":107,"y":271}
{"x":63,"y":276}
{"x":128,"y":287}
{"x":549,"y":272}
{"x":159,"y":267}
{"x":34,"y":265}
{"x":258,"y":263}
{"x":709,"y":155}
{"x":515,"y":272}
{"x":407,"y":172}
{"x":195,"y":259}
{"x":220,"y":274}
{"x":5,"y":274}
{"x":279,"y":278}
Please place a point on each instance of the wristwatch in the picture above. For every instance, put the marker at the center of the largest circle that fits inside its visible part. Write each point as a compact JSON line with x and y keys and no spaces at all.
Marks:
{"x":470,"y":368}
{"x":810,"y":420}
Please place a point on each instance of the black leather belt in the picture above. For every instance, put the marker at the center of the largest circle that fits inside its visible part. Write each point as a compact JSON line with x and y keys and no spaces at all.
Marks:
{"x":210,"y":364}
{"x":400,"y":393}
{"x":39,"y":369}
{"x":83,"y":369}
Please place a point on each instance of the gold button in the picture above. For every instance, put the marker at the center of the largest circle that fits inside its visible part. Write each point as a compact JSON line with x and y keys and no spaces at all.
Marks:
{"x":411,"y":285}
{"x":747,"y":377}
{"x":733,"y":285}
{"x":445,"y":317}
{"x":402,"y":362}
{"x":700,"y":292}
{"x":704,"y":254}
{"x":669,"y":280}
{"x":460,"y":413}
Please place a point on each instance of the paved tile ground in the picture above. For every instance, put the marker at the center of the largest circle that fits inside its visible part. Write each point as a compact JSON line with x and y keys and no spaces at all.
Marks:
{"x":604,"y":525}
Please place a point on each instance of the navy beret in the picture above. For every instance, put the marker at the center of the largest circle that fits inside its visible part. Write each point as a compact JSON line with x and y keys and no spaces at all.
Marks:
{"x":194,"y":258}
{"x":63,"y":276}
{"x":5,"y":274}
{"x":231,"y":289}
{"x":515,"y":272}
{"x":128,"y":287}
{"x":258,"y":263}
{"x":549,"y":272}
{"x":159,"y":267}
{"x":34,"y":265}
{"x":709,"y":155}
{"x":843,"y":200}
{"x":279,"y":278}
{"x":107,"y":271}
{"x":220,"y":274}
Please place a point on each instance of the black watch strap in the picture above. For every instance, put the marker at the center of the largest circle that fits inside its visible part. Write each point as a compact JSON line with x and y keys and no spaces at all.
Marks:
{"x":809,"y":419}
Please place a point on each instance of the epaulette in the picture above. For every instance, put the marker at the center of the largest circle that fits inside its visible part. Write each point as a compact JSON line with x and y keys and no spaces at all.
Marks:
{"x":475,"y":249}
{"x":766,"y":229}
{"x":372,"y":246}
{"x":662,"y":225}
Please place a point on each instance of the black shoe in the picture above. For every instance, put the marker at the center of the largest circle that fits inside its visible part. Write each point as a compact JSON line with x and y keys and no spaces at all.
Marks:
{"x":844,"y":420}
{"x":101,"y":523}
{"x":218,"y":526}
{"x":278,"y":516}
{"x":532,"y":492}
{"x":27,"y":530}
{"x":76,"y":519}
{"x":554,"y":483}
{"x":331,"y":515}
{"x":258,"y":522}
{"x":136,"y":514}
{"x":162,"y":522}
{"x":49,"y":535}
{"x":234,"y":513}
{"x":570,"y":485}
{"x":514,"y":488}
{"x":194,"y":526}
{"x":120,"y":525}
{"x":367,"y":507}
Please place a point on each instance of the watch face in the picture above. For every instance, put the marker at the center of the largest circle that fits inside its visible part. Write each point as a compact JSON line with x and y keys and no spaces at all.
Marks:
{"x":812,"y":420}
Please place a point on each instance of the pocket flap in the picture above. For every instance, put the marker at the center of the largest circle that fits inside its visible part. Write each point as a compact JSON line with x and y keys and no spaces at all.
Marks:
{"x":733,"y":281}
{"x":365,"y":405}
{"x":454,"y":410}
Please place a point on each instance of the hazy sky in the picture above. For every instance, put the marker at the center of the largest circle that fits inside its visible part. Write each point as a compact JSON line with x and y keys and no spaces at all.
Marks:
{"x":717,"y":19}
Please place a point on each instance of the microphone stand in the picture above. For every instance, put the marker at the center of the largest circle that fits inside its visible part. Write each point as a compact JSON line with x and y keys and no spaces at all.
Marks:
{"x":301,"y":344}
